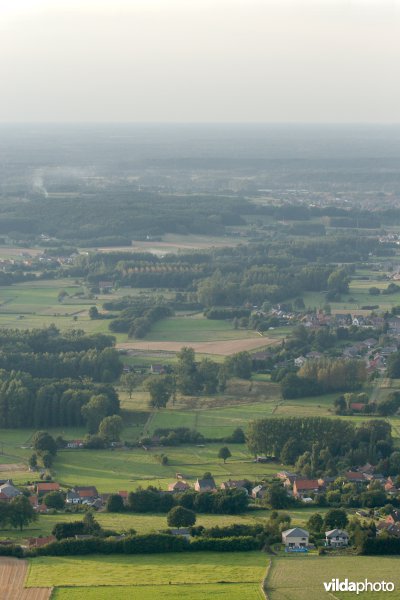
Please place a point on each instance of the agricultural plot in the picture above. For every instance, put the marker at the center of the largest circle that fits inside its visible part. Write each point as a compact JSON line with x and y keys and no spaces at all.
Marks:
{"x":127,"y":469}
{"x":142,"y":570}
{"x":358,"y":295}
{"x":196,"y":328}
{"x":12,"y":578}
{"x":236,"y":591}
{"x":123,"y":522}
{"x":301,"y":578}
{"x":217,"y":347}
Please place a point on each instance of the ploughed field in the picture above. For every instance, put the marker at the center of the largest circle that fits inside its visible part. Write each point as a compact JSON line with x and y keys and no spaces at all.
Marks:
{"x":13,"y":572}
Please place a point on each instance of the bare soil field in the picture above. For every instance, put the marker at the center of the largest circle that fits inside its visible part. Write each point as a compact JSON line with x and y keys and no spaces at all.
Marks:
{"x":13,"y":573}
{"x":221,"y":347}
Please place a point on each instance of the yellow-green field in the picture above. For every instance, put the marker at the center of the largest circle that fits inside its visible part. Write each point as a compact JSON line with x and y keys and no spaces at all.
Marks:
{"x":302,"y":577}
{"x":231,"y":591}
{"x":192,"y":571}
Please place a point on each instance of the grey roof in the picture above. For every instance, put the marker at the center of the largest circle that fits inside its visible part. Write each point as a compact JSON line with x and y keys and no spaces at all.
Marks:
{"x":336,"y":532}
{"x":295,"y":532}
{"x":9,"y":490}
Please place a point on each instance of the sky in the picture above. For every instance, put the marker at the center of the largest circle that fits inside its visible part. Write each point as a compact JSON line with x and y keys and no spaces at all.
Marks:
{"x":271,"y":61}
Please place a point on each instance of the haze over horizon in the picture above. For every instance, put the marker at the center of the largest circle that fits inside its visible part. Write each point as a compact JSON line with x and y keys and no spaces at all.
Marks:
{"x":254,"y":61}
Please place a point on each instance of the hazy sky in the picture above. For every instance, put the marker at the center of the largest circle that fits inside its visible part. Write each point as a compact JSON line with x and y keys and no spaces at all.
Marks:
{"x":200,"y":60}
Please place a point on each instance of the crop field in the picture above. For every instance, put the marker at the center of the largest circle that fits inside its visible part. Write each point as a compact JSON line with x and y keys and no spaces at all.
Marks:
{"x":196,"y":328}
{"x":141,"y":570}
{"x":302,"y":577}
{"x":12,"y":577}
{"x":231,"y":591}
{"x":172,"y":243}
{"x":218,"y":347}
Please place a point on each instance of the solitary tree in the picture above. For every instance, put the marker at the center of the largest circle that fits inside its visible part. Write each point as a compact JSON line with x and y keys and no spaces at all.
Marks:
{"x":111,"y":428}
{"x":181,"y":517}
{"x":44,"y":443}
{"x":129,"y":381}
{"x":224,"y":453}
{"x":93,"y":312}
{"x":160,"y":390}
{"x":21,"y":512}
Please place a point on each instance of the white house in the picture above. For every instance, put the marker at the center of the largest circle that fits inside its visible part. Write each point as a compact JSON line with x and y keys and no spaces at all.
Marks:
{"x":295,"y":538}
{"x":336,"y":538}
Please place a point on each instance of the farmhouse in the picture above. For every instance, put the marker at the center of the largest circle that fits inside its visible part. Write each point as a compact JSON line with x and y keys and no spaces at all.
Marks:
{"x":205,"y":485}
{"x":72,"y":497}
{"x":87,"y":494}
{"x":287,"y":478}
{"x":9,"y":491}
{"x":46,"y":487}
{"x":74,"y":444}
{"x":231,"y":484}
{"x":336,"y":538}
{"x":295,"y":538}
{"x":389,"y":528}
{"x":178,"y":486}
{"x":354,"y":477}
{"x":304,"y":487}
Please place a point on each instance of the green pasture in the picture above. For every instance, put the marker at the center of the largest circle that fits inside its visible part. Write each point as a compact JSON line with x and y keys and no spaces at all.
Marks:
{"x":140,"y":522}
{"x":196,"y":328}
{"x":113,"y":470}
{"x":152,"y":522}
{"x":357,"y":295}
{"x":302,"y":577}
{"x":155,"y":570}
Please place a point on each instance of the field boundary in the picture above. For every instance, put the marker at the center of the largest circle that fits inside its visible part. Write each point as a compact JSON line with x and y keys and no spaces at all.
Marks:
{"x":264,"y":581}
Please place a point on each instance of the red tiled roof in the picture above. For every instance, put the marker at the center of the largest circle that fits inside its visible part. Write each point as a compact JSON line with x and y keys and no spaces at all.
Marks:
{"x":354,"y":476}
{"x":47,"y":487}
{"x":86,"y":491}
{"x":357,"y":406}
{"x":306,"y":484}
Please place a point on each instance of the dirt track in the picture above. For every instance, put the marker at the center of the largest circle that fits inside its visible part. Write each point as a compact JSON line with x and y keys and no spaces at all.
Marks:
{"x":13,"y":573}
{"x":222,"y":347}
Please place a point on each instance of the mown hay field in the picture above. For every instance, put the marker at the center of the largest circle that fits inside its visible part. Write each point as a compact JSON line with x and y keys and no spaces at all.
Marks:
{"x":235,"y":591}
{"x":155,"y":570}
{"x":302,"y":577}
